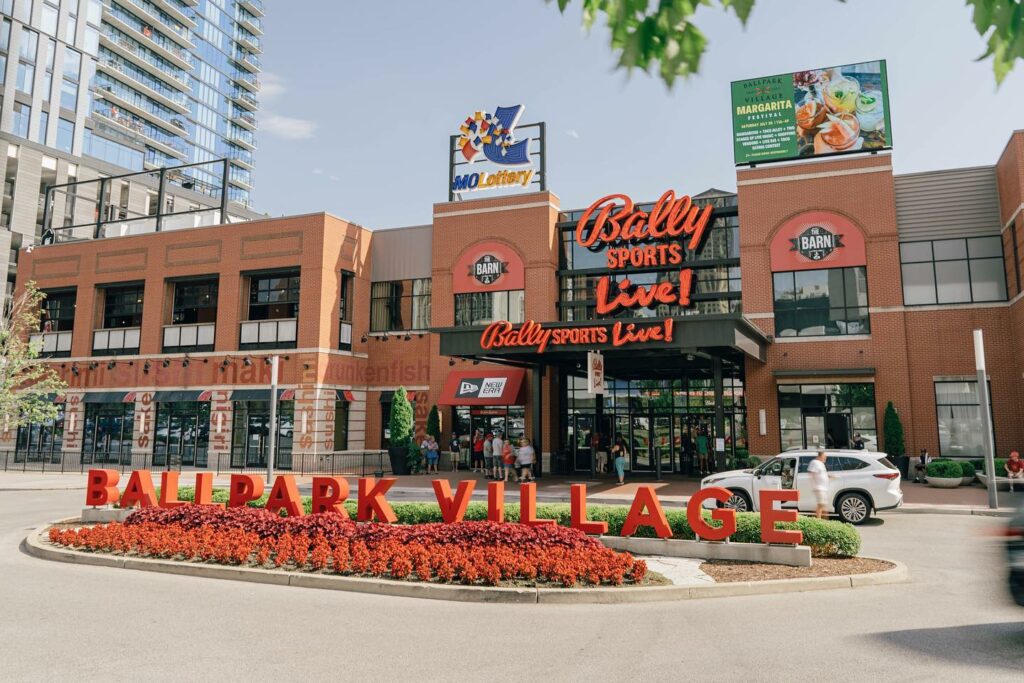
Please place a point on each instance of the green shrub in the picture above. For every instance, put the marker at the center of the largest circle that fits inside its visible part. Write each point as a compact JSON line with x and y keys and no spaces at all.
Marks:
{"x":892,"y":431}
{"x":826,"y":538}
{"x":400,"y":424}
{"x":753,"y":461}
{"x":434,"y":423}
{"x":979,"y":466}
{"x":966,"y":468}
{"x":944,"y":469}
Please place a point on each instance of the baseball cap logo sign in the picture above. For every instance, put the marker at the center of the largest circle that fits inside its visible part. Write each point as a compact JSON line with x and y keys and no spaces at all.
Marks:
{"x":816,"y":243}
{"x":484,"y":387}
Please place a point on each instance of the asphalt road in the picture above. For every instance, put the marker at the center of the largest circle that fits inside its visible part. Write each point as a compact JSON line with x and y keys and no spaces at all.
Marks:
{"x":65,"y":622}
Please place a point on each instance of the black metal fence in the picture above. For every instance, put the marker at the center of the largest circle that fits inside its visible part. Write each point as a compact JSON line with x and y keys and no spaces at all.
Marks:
{"x":353,"y":464}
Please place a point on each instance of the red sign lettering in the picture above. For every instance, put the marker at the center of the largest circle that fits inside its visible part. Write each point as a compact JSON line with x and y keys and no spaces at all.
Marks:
{"x":503,"y":334}
{"x":617,"y":221}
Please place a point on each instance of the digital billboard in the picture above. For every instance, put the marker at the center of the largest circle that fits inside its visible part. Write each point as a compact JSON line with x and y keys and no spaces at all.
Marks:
{"x":835,"y":110}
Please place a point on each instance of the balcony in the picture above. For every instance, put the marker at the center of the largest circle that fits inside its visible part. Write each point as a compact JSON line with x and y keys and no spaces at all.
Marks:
{"x":150,"y":13}
{"x":172,"y":99}
{"x":250,"y":23}
{"x":244,"y":99}
{"x":53,"y":344}
{"x":246,"y":80}
{"x":151,"y":134}
{"x":245,"y":119}
{"x":118,"y":95}
{"x":198,"y":337}
{"x":116,"y":342}
{"x":253,"y":6}
{"x":242,"y":137}
{"x":247,"y":61}
{"x":268,"y":334}
{"x":241,"y":157}
{"x":249,"y":41}
{"x":130,"y":25}
{"x":130,"y":50}
{"x":185,"y":15}
{"x":241,"y":178}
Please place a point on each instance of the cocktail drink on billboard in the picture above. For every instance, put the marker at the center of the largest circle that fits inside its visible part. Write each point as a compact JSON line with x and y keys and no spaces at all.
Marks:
{"x":841,"y":132}
{"x":869,"y":110}
{"x":841,"y":94}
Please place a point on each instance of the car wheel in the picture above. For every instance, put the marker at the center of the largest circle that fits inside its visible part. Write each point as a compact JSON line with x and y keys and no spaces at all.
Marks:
{"x":738,"y":501}
{"x":853,"y":508}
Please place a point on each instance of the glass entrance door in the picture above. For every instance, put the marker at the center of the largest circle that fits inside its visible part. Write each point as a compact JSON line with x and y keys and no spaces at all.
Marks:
{"x":814,"y":430}
{"x":182,"y":434}
{"x":662,"y":444}
{"x":581,"y":433}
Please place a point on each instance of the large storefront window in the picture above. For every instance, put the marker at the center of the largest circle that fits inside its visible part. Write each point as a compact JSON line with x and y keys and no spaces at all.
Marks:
{"x":815,"y":303}
{"x":666,"y":424}
{"x":959,"y":418}
{"x":953,"y":271}
{"x":250,"y":432}
{"x":509,"y":421}
{"x":194,"y":302}
{"x":481,"y":308}
{"x":107,"y":436}
{"x":827,"y":415}
{"x":400,"y":305}
{"x":122,"y":307}
{"x":182,"y":434}
{"x":41,"y":442}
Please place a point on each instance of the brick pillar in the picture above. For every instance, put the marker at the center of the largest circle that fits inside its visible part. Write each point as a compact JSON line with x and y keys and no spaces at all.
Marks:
{"x":74,"y":426}
{"x":221,"y":414}
{"x":143,"y":429}
{"x":228,"y":307}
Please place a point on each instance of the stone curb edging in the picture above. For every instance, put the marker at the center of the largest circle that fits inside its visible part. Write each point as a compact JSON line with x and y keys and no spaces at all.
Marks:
{"x":37,"y":545}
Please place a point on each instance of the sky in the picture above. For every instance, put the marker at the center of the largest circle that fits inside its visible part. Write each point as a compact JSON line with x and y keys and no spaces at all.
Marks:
{"x":359,"y":97}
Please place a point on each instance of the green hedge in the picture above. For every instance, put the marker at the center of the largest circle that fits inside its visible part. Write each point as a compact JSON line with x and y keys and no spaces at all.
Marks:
{"x":944,"y":469}
{"x":1000,"y":463}
{"x":826,"y":538}
{"x":966,"y":468}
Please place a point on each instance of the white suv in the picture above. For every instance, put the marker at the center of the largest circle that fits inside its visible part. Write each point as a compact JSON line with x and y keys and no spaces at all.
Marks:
{"x":859,"y":482}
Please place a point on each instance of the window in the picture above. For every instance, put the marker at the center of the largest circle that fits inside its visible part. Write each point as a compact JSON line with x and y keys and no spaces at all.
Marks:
{"x":44,"y":121}
{"x":827,"y":415}
{"x":274,"y":297}
{"x":182,"y":434}
{"x":341,"y":425}
{"x":41,"y":441}
{"x":29,"y":45}
{"x":194,"y":302}
{"x":821,"y":302}
{"x":22,"y":114}
{"x":250,"y":431}
{"x":72,"y":63}
{"x":110,"y":151}
{"x":58,"y":312}
{"x":959,"y":419}
{"x":400,"y":305}
{"x":122,"y":307}
{"x":48,"y":20}
{"x":345,"y":305}
{"x":967,"y":270}
{"x":26,"y":77}
{"x":65,"y":134}
{"x":480,"y":308}
{"x":68,"y":94}
{"x":5,"y":34}
{"x":107,"y":435}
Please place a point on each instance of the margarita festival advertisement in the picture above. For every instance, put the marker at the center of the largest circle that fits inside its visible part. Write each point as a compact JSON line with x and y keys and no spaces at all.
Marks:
{"x":812,"y":113}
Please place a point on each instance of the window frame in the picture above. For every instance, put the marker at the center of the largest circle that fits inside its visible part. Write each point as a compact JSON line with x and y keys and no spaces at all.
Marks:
{"x":967,"y":260}
{"x":471,"y":322}
{"x":845,"y":307}
{"x":389,"y":307}
{"x":137,"y":306}
{"x":291,"y":290}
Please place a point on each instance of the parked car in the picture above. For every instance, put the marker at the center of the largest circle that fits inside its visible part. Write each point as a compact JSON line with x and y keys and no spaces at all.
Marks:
{"x":1015,"y":553}
{"x":863,"y":482}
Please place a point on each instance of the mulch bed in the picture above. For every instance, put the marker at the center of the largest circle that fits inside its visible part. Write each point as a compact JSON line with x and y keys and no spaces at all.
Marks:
{"x":732,"y":571}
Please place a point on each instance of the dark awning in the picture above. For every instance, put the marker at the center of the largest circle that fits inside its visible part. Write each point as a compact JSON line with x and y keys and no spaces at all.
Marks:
{"x":258,"y":394}
{"x":173,"y":396}
{"x":104,"y":397}
{"x":484,"y":386}
{"x":389,"y":396}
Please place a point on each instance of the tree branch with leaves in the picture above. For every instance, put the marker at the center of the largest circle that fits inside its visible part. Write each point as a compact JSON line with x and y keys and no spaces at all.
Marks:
{"x":26,"y":385}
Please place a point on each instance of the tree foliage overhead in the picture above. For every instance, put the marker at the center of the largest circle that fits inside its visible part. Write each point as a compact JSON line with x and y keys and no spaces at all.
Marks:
{"x":26,"y":384}
{"x":660,"y":34}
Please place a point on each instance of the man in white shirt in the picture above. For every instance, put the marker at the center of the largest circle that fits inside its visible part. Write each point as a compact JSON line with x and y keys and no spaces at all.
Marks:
{"x":819,"y":483}
{"x":496,"y":446}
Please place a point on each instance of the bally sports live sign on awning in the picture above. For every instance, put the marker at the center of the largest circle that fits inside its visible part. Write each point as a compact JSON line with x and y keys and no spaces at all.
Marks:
{"x":820,"y":112}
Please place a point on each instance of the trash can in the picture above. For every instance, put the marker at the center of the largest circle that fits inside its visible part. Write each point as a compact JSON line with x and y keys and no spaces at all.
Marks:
{"x":903,"y":465}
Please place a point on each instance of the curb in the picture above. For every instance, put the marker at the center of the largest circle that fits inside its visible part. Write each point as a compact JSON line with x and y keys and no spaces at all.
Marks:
{"x":947,"y":510}
{"x":36,"y":545}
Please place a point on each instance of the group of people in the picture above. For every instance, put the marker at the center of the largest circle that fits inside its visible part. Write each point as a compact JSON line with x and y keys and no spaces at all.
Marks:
{"x":497,"y":458}
{"x":1014,"y":467}
{"x":618,"y":454}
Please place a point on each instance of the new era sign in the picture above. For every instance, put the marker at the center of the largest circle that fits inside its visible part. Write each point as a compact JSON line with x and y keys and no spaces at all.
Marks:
{"x":482,"y":387}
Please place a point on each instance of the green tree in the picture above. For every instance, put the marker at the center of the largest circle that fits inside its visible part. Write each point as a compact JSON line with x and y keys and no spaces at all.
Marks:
{"x":434,"y":423}
{"x":401,"y":422}
{"x":892,"y":431}
{"x":25,"y":383}
{"x":660,"y":33}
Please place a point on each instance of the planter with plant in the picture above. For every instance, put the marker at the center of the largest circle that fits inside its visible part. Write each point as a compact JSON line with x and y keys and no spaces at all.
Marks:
{"x":967,"y":472}
{"x":944,"y":474}
{"x":400,"y":432}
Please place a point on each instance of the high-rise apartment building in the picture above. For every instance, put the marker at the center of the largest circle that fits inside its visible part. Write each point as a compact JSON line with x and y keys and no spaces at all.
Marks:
{"x":95,"y":89}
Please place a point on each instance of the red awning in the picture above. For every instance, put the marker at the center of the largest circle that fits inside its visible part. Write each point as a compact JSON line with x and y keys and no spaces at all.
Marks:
{"x":485,"y":386}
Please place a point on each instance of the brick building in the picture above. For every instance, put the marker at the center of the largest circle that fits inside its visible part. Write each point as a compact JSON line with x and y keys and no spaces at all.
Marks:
{"x":811,"y":297}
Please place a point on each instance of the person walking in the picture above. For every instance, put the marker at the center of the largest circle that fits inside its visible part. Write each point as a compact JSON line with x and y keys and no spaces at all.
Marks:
{"x":702,"y":451}
{"x":488,"y":455}
{"x":476,"y":458}
{"x":508,"y":459}
{"x":597,"y":447}
{"x":619,"y":455}
{"x":525,"y":459}
{"x":433,"y":453}
{"x":497,"y":444}
{"x":455,"y":445}
{"x":858,"y":442}
{"x":819,"y":483}
{"x":1014,"y":469}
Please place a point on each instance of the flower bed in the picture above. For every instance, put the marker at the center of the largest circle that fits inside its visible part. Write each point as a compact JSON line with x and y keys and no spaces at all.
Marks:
{"x":467,"y":552}
{"x":826,"y":538}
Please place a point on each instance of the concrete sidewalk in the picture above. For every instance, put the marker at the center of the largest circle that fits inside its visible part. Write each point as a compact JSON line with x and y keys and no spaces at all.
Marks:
{"x":673,"y":492}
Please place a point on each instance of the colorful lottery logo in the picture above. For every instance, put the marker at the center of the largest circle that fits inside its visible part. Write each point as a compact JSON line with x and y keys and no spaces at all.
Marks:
{"x":493,"y":135}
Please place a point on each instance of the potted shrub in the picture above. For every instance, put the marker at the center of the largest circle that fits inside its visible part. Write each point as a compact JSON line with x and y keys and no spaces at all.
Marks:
{"x":967,"y":472}
{"x":944,"y":474}
{"x":400,"y":432}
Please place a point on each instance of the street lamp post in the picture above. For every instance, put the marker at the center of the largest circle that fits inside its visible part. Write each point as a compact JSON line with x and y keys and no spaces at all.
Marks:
{"x":986,"y":418}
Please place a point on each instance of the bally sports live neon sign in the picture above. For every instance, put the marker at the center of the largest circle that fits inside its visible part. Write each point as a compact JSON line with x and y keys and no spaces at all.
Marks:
{"x":330,"y":493}
{"x":631,"y":238}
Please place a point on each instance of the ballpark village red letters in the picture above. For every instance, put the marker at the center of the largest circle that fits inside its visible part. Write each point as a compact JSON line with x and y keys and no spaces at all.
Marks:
{"x":329,"y":494}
